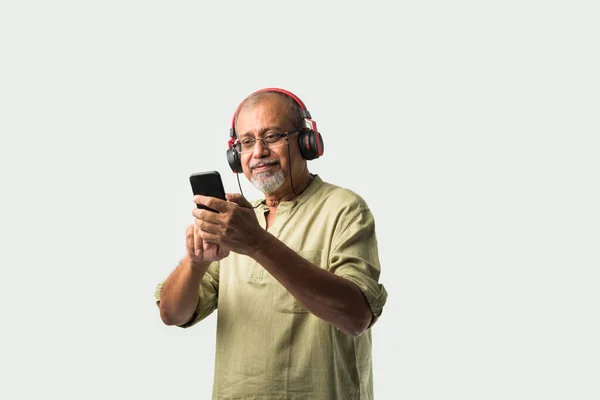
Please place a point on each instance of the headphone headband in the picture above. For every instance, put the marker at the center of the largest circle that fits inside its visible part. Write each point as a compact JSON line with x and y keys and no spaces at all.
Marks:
{"x":305,"y":112}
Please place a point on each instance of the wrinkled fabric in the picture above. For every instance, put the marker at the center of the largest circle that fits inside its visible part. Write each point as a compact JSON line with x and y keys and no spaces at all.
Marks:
{"x":268,"y":345}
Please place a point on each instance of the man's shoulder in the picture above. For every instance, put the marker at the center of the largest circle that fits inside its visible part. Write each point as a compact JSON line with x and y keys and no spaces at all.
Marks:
{"x":340,"y":197}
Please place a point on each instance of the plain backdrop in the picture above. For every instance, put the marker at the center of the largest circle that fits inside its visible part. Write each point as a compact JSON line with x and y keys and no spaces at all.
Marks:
{"x":470,"y":128}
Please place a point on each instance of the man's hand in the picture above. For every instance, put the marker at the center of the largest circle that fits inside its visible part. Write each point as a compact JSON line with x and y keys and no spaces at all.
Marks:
{"x":235,"y":227}
{"x":200,"y":251}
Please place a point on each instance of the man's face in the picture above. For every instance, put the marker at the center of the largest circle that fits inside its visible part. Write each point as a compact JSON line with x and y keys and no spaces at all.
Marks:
{"x":267,"y":168}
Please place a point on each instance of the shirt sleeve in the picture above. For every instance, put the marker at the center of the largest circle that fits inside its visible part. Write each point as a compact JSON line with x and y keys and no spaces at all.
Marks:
{"x":354,"y":256}
{"x":209,"y":295}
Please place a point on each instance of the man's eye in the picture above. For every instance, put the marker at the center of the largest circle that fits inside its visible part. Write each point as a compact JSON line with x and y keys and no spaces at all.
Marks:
{"x":272,"y":137}
{"x":247,"y":142}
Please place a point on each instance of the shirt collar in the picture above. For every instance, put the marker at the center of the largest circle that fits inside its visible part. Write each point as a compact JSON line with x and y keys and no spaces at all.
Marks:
{"x":314,"y":185}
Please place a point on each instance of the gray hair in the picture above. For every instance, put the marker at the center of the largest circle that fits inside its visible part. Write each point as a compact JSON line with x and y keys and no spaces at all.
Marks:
{"x":293,"y":110}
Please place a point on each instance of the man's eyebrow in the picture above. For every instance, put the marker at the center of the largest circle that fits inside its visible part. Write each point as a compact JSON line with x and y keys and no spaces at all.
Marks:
{"x":262,"y":132}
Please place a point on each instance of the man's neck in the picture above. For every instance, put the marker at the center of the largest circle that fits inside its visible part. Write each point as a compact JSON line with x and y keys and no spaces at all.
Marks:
{"x":273,"y":199}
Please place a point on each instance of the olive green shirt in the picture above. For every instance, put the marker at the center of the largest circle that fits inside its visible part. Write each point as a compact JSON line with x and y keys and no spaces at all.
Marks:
{"x":268,"y":345}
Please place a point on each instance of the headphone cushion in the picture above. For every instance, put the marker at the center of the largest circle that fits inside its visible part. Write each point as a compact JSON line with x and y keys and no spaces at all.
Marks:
{"x":310,"y":144}
{"x":234,"y":161}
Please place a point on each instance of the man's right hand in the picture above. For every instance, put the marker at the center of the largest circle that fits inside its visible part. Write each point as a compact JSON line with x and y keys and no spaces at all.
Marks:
{"x":200,"y":251}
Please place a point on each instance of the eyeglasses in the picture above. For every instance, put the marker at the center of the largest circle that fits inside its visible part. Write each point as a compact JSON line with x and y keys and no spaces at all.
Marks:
{"x":269,"y":141}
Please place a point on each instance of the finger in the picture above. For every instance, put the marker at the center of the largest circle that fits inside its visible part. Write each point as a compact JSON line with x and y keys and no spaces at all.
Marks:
{"x":198,"y":243}
{"x":208,"y":237}
{"x":206,"y":226}
{"x":238,"y":199}
{"x":206,"y":215}
{"x":189,"y":239}
{"x":212,"y":202}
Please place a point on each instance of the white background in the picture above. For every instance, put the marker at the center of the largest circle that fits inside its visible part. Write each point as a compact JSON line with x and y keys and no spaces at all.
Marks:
{"x":470,"y":128}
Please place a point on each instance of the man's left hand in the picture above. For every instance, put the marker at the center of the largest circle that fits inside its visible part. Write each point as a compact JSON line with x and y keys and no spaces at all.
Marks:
{"x":235,"y":225}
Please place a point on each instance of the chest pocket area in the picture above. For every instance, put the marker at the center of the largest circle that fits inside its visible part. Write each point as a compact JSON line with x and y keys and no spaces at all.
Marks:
{"x":284,"y":301}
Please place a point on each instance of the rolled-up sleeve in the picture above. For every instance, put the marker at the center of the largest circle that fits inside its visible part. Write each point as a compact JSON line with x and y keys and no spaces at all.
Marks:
{"x":209,"y":295}
{"x":354,"y":256}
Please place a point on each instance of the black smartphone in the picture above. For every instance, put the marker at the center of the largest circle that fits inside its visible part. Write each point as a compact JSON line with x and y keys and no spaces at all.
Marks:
{"x":207,"y":184}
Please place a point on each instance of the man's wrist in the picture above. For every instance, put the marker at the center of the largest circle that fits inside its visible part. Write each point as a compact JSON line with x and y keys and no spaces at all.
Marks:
{"x":265,"y":243}
{"x":196,"y":266}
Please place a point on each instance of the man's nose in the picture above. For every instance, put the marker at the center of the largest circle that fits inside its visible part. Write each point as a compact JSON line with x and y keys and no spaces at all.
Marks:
{"x":260,"y":150}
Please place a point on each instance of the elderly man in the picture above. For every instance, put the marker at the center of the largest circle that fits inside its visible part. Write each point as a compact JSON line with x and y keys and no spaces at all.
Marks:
{"x":294,"y":277}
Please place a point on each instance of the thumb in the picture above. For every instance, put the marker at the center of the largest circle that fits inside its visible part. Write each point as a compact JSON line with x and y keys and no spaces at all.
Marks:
{"x":238,"y":199}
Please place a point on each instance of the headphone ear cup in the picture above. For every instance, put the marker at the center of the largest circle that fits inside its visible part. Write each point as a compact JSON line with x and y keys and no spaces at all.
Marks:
{"x":319,"y":145}
{"x":310,"y":144}
{"x":234,"y":161}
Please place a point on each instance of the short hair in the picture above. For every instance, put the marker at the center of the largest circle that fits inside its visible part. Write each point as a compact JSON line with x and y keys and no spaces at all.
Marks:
{"x":293,"y":110}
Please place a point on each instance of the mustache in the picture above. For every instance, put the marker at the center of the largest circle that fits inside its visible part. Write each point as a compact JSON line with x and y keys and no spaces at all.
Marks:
{"x":264,"y":163}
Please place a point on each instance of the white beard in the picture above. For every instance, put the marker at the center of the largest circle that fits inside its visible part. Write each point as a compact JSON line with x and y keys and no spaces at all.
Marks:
{"x":268,"y":182}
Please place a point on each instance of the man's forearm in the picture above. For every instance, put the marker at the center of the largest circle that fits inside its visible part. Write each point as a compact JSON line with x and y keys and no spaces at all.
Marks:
{"x":180,"y":292}
{"x":326,"y":295}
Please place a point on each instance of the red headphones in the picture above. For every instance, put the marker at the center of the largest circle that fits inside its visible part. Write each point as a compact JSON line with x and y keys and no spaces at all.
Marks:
{"x":310,"y":141}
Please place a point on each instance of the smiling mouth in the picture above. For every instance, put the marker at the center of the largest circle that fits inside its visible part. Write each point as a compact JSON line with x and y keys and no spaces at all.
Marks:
{"x":263,"y":167}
